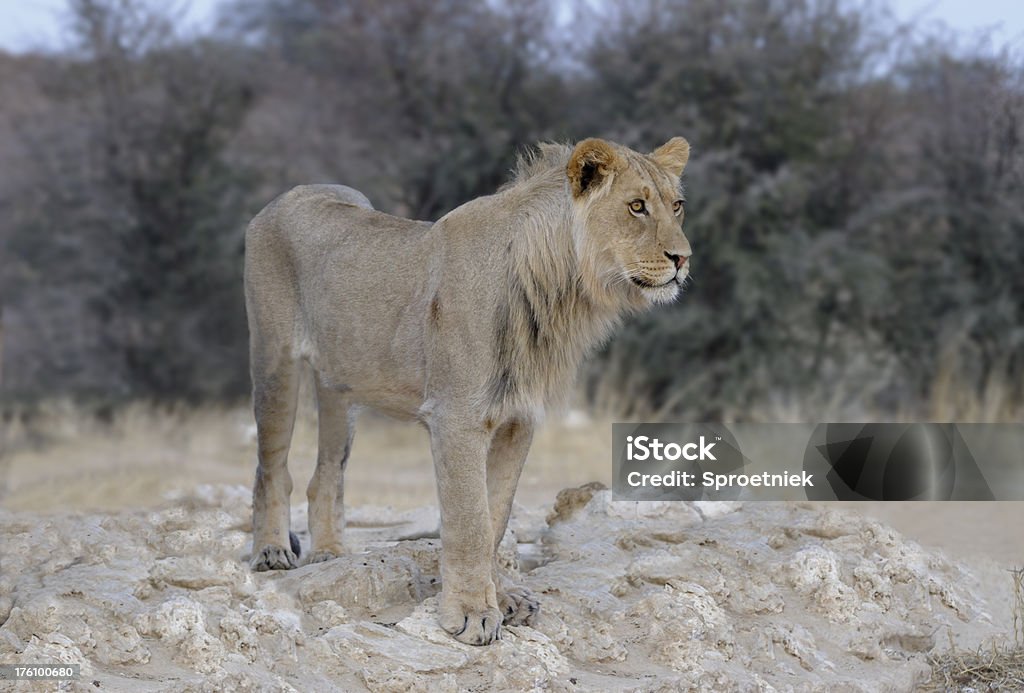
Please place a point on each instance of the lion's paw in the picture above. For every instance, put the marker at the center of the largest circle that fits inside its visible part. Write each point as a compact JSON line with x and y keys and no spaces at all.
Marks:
{"x":518,"y":606}
{"x":472,"y":626}
{"x":323,"y":555}
{"x":272,"y":557}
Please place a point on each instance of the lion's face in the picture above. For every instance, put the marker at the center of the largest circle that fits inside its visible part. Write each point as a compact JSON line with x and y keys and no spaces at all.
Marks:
{"x":633,"y":213}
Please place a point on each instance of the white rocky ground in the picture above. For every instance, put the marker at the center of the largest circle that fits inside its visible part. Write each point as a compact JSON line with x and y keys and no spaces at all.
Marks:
{"x":639,"y":597}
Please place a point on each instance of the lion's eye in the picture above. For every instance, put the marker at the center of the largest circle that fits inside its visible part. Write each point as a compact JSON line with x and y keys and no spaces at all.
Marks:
{"x":677,"y":207}
{"x":638,"y":207}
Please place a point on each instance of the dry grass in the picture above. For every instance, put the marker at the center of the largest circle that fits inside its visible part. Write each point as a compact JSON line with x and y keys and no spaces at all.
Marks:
{"x":998,"y":669}
{"x":992,"y":668}
{"x":620,"y":394}
{"x":61,"y":460}
{"x":953,"y":399}
{"x":1018,"y":607}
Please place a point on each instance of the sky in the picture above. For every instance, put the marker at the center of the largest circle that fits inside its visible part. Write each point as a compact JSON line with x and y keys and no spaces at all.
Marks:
{"x":31,"y":24}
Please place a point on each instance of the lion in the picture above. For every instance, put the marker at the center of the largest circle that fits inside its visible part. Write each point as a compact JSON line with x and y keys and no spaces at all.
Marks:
{"x":471,"y":325}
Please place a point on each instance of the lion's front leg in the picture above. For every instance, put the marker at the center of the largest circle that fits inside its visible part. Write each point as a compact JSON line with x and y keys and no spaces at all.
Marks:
{"x":505,"y":461}
{"x":469,"y":603}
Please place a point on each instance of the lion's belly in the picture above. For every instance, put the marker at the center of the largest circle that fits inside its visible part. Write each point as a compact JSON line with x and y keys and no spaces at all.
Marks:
{"x":377,"y":363}
{"x":400,"y":405}
{"x":371,"y":377}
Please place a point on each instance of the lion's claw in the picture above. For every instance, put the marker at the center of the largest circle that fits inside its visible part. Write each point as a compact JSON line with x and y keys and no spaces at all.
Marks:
{"x":519,"y":606}
{"x":475,"y":627}
{"x":272,"y":557}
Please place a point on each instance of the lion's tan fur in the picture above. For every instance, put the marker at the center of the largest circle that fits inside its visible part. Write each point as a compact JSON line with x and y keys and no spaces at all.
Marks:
{"x":470,"y":325}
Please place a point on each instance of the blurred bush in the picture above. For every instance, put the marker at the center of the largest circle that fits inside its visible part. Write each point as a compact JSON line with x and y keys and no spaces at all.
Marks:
{"x":853,"y":197}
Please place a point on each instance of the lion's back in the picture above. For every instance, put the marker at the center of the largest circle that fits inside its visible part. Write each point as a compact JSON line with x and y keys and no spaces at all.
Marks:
{"x":303,"y":227}
{"x":323,"y":268}
{"x":341,"y":193}
{"x":298,"y":216}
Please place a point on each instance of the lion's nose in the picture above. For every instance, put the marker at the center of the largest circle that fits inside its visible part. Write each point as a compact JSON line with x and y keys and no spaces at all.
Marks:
{"x":677,"y":260}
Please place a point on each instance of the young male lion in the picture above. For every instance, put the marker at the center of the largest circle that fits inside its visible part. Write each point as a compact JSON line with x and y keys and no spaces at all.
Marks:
{"x":469,"y":325}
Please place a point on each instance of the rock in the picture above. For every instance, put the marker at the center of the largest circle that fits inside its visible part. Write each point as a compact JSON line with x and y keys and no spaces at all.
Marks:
{"x":570,"y":500}
{"x":371,"y":584}
{"x":634,"y":596}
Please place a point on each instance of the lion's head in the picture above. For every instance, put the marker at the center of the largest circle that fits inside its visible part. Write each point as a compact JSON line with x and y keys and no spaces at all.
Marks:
{"x":631,"y":239}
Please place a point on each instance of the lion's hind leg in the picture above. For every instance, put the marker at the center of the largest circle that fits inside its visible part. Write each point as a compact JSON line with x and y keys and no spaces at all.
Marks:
{"x":336,"y":422}
{"x":275,"y":391}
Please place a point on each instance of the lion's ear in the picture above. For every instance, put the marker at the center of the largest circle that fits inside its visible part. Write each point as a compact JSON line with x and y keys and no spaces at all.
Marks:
{"x":673,"y":155}
{"x":591,"y":162}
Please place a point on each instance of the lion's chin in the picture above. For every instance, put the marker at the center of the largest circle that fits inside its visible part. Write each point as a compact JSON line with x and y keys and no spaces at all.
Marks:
{"x":663,"y":293}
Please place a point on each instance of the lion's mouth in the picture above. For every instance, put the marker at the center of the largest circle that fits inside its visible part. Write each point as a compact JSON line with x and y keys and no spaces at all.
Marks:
{"x":649,"y":285}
